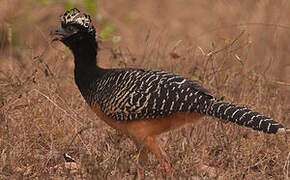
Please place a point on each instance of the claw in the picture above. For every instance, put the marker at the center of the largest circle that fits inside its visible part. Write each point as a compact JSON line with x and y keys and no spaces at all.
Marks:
{"x":167,"y":168}
{"x":140,"y":174}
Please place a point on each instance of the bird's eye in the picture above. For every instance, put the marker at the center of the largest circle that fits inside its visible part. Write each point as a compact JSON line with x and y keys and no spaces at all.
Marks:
{"x":71,"y":29}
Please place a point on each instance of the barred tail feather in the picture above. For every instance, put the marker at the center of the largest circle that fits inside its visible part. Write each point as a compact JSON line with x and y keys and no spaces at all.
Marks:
{"x":245,"y":117}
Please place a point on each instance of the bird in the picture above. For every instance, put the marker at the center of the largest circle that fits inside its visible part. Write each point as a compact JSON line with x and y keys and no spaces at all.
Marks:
{"x":144,"y":103}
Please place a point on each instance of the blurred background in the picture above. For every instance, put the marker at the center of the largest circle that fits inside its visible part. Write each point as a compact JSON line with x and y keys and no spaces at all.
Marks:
{"x":236,"y":49}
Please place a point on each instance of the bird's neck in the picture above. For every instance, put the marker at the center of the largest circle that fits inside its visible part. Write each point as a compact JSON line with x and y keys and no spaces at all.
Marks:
{"x":86,"y":69}
{"x":85,"y":53}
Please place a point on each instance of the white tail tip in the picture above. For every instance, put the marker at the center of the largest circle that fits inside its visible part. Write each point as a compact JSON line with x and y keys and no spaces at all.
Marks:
{"x":283,"y":131}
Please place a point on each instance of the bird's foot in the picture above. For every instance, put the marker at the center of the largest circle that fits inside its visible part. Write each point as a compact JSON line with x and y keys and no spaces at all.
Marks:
{"x":165,"y":170}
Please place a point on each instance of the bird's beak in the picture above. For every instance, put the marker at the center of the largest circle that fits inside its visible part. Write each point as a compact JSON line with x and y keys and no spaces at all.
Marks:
{"x":58,"y":34}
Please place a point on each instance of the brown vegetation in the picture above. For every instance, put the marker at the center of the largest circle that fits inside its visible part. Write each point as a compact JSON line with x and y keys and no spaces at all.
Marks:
{"x":237,"y":49}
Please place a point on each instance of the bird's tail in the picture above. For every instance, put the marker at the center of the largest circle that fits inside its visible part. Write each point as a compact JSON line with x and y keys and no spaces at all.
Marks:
{"x":245,"y":117}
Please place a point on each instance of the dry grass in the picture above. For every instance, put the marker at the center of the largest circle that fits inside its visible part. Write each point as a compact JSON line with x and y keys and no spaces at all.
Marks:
{"x":238,"y":50}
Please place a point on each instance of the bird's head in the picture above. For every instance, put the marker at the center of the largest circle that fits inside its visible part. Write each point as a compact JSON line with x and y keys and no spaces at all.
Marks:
{"x":75,"y":27}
